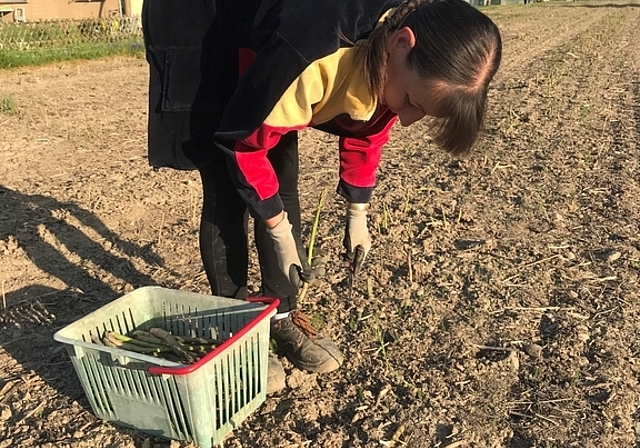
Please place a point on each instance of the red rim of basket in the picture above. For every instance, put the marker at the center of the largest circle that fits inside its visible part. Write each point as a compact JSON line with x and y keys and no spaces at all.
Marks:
{"x":183,"y":370}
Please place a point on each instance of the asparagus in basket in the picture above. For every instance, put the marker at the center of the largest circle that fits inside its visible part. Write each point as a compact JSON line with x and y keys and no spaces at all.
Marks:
{"x":161,"y":343}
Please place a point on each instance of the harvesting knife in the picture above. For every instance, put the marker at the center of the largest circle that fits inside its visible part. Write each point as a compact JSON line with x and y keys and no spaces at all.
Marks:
{"x":354,"y":267}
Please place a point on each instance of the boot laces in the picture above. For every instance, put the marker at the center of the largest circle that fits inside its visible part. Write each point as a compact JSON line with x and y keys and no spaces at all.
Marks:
{"x":303,"y":322}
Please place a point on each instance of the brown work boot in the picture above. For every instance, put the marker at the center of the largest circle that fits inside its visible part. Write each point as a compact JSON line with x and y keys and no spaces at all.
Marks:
{"x":275,"y":375}
{"x":299,"y":341}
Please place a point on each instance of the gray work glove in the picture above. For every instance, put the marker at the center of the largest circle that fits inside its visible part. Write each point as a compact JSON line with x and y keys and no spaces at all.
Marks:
{"x":318,"y":266}
{"x":291,"y":257}
{"x":357,"y":241}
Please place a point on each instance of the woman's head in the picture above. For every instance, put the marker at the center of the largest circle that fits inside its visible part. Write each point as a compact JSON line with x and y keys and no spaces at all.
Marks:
{"x":436,"y":58}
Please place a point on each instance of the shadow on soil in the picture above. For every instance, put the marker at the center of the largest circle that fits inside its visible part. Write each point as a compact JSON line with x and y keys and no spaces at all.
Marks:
{"x":35,"y":225}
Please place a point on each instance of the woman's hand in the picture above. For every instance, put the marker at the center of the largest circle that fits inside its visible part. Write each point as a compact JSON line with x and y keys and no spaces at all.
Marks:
{"x":356,"y":236}
{"x":291,"y":257}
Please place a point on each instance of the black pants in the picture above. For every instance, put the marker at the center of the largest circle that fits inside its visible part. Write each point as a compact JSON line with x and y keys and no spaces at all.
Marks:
{"x":224,"y":228}
{"x":192,"y":50}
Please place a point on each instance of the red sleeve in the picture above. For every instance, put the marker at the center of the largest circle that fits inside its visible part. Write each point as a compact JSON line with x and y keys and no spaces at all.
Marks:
{"x":359,"y":160}
{"x":253,"y":173}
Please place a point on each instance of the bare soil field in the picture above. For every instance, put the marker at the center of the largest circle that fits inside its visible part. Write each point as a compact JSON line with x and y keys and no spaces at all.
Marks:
{"x":501,"y":301}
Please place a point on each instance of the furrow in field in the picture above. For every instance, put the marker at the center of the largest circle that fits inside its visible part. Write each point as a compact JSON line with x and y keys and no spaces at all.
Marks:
{"x":553,"y":27}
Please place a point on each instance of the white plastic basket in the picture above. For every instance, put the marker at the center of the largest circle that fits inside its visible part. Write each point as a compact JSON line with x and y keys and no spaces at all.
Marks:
{"x":200,"y":402}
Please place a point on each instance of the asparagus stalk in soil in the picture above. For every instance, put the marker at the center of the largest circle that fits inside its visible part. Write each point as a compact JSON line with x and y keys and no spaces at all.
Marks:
{"x":312,"y":239}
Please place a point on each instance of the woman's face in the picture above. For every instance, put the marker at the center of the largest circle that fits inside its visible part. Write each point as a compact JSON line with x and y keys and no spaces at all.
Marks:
{"x":405,"y":93}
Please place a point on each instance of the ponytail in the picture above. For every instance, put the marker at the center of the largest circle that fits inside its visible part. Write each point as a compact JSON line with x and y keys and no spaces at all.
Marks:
{"x":375,"y":65}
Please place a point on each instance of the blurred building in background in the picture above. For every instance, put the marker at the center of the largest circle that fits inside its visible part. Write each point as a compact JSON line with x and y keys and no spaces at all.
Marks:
{"x":35,"y":10}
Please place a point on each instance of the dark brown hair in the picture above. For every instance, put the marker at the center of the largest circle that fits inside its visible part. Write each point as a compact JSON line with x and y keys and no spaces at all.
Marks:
{"x":457,"y":52}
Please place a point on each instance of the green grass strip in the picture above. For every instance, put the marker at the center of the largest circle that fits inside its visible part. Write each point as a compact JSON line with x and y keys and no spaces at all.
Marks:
{"x":92,"y":50}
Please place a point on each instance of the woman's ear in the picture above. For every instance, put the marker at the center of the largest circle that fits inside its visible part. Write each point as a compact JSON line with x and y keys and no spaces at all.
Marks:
{"x":402,"y":40}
